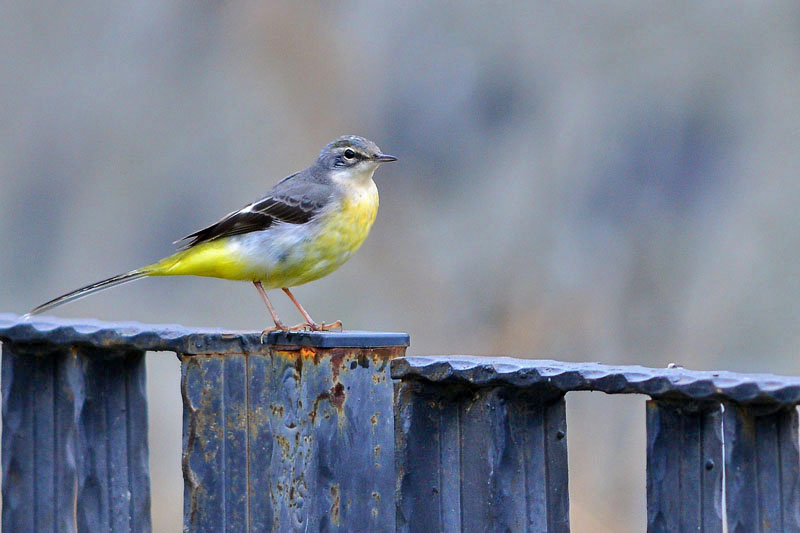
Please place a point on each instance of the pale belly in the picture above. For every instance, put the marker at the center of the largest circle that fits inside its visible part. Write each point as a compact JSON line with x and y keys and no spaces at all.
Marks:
{"x":298,"y":256}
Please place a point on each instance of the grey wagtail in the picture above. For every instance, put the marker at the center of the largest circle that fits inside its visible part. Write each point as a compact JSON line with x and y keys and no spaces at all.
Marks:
{"x":304,"y":228}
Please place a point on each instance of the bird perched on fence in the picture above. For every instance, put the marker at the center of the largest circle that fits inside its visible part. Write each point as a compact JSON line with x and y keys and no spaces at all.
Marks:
{"x":304,"y":228}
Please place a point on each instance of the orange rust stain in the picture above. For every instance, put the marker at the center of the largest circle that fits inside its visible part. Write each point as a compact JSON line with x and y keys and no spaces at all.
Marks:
{"x":337,"y":358}
{"x":307,"y":352}
{"x":335,"y":505}
{"x":314,"y":408}
{"x":337,"y":397}
{"x":380,"y":357}
{"x":283,"y":442}
{"x":374,"y":420}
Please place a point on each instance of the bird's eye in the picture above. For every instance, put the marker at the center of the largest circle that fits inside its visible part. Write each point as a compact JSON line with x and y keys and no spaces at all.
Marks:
{"x":349,"y":154}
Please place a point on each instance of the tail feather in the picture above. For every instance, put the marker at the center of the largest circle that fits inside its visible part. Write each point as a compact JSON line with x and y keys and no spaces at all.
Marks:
{"x":89,"y":289}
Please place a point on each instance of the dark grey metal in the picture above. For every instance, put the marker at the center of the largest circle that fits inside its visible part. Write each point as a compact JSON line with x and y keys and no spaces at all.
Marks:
{"x":685,"y":439}
{"x":74,"y":439}
{"x":762,"y":469}
{"x":658,"y":383}
{"x":298,"y":461}
{"x":299,"y":438}
{"x":684,"y":466}
{"x":174,"y":338}
{"x":298,"y":432}
{"x":480,"y":459}
{"x":215,"y":442}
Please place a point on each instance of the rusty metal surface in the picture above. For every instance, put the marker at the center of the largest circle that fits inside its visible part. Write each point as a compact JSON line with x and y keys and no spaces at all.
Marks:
{"x":297,"y":439}
{"x":75,"y":453}
{"x":480,"y":459}
{"x":214,"y":442}
{"x":300,"y":432}
{"x":175,"y":338}
{"x":684,"y":466}
{"x":659,"y":383}
{"x":294,"y":432}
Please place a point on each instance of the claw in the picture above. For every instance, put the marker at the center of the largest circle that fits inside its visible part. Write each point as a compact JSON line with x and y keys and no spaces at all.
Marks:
{"x":333,"y":325}
{"x":279,"y":326}
{"x":325,"y":327}
{"x":309,"y":326}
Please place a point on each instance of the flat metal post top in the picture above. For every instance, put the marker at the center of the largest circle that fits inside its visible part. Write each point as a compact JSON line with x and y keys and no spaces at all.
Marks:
{"x":179,"y":339}
{"x":658,"y":383}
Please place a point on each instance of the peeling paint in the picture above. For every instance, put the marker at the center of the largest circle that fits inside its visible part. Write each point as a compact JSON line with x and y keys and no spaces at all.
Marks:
{"x":297,"y":393}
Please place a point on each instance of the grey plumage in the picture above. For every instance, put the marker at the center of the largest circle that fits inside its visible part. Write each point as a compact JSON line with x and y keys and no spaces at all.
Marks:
{"x":295,"y":199}
{"x":87,"y":290}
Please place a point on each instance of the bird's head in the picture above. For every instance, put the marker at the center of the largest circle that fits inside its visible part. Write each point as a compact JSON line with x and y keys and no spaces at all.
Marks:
{"x":352,"y":155}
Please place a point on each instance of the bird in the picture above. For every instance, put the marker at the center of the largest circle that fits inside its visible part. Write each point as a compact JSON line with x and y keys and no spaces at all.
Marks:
{"x":304,"y":228}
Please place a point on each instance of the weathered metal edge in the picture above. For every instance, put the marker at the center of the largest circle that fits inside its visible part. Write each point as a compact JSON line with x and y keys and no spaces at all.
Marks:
{"x":176,"y":338}
{"x":659,"y":383}
{"x":340,"y":339}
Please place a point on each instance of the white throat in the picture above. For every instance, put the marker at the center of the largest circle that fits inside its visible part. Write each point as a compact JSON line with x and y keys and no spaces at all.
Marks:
{"x":358,"y":176}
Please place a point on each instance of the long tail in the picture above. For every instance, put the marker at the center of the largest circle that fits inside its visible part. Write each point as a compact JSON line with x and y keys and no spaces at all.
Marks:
{"x":91,"y":289}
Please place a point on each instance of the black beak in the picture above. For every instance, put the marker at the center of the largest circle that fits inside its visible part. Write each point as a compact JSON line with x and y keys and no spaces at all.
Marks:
{"x":384,"y":158}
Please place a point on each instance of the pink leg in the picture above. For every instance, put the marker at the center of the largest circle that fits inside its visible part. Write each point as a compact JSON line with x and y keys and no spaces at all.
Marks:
{"x":313,"y":326}
{"x":278,"y":324}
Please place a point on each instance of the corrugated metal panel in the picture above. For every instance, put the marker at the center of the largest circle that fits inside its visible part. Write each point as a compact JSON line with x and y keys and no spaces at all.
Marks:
{"x":480,"y":459}
{"x":300,"y":438}
{"x":74,"y":439}
{"x":762,"y":482}
{"x":684,"y":466}
{"x":299,"y":433}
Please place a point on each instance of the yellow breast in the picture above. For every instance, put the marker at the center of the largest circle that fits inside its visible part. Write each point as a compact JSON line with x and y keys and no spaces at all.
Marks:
{"x":341,"y":232}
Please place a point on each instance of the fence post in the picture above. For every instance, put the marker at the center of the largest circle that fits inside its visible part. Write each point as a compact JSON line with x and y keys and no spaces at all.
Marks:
{"x":480,"y":458}
{"x":296,"y":434}
{"x":762,"y":468}
{"x":74,"y":436}
{"x":684,"y":466}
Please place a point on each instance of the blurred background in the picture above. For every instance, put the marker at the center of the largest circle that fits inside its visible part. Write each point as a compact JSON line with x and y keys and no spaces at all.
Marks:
{"x":613,"y":181}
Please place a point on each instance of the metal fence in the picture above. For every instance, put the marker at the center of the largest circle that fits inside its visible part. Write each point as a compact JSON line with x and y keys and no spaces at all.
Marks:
{"x":312,"y":432}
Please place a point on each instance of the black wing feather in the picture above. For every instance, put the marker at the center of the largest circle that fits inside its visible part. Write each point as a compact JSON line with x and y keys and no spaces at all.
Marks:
{"x":293,"y":200}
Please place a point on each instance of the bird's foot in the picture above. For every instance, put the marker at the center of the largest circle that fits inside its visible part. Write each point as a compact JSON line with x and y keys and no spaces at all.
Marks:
{"x":324,"y":327}
{"x":279,"y":326}
{"x":309,"y":326}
